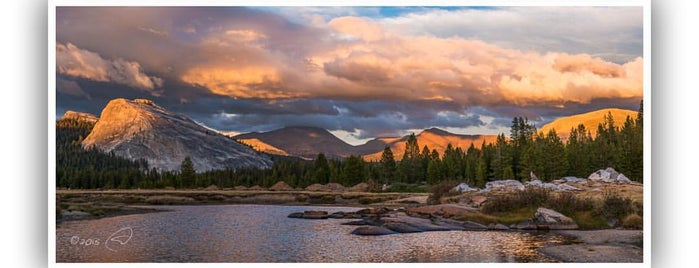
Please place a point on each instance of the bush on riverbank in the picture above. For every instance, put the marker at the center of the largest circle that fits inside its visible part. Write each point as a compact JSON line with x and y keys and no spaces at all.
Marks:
{"x":440,"y":190}
{"x":587,"y":212}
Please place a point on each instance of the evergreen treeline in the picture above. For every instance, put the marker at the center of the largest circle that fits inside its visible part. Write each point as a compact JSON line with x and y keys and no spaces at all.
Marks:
{"x":524,"y":152}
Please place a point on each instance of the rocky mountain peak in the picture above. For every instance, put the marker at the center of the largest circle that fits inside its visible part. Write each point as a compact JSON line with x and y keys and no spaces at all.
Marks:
{"x":80,"y":116}
{"x":141,"y":129}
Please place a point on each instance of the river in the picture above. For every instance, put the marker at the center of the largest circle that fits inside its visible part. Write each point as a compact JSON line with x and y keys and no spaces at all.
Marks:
{"x":263,"y":233}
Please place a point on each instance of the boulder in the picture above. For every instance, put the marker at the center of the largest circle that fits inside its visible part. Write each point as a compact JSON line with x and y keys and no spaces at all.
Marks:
{"x":477,"y":200}
{"x":359,"y":222}
{"x":296,"y":215}
{"x":337,"y":215}
{"x":401,"y":227}
{"x":558,"y":181}
{"x":463,"y":187}
{"x":608,"y":175}
{"x":525,"y":225}
{"x":474,"y":226}
{"x":372,"y":230}
{"x":505,"y":185}
{"x":571,"y":179}
{"x":360,"y":187}
{"x":498,"y":227}
{"x":281,"y":186}
{"x":566,"y":187}
{"x":550,"y":219}
{"x":536,"y":183}
{"x":315,"y":214}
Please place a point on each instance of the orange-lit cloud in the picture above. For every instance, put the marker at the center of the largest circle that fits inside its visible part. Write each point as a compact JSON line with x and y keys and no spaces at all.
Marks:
{"x":379,"y":64}
{"x":73,"y":61}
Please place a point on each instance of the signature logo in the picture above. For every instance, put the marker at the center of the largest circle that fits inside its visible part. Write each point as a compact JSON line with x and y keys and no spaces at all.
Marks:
{"x":115,"y":241}
{"x":119,"y":238}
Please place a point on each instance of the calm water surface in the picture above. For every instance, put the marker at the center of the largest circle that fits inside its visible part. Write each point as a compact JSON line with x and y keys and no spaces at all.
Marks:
{"x":263,"y":233}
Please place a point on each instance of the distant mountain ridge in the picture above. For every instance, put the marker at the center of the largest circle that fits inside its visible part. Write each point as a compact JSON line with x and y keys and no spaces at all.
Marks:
{"x":141,"y":129}
{"x":305,"y":142}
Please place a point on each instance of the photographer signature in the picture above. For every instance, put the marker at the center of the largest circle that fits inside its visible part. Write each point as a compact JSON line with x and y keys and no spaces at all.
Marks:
{"x":119,"y":238}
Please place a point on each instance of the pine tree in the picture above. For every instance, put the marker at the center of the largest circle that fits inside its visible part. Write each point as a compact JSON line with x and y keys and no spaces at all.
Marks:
{"x":322,"y":169}
{"x":187,"y":173}
{"x":388,"y":165}
{"x":434,"y":172}
{"x":411,"y":165}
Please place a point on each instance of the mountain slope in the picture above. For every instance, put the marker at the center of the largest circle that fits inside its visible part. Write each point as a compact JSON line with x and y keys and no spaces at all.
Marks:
{"x":304,"y":142}
{"x":435,"y":139}
{"x":141,"y":129}
{"x":591,"y":120}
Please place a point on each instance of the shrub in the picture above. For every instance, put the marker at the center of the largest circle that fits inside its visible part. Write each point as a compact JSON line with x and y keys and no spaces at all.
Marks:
{"x":614,"y":206}
{"x":440,"y":190}
{"x":632,"y":221}
{"x":531,"y":197}
{"x":567,"y":203}
{"x":400,"y":187}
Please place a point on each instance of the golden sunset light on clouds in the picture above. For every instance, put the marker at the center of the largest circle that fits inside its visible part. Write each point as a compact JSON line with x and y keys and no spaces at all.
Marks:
{"x":368,"y":71}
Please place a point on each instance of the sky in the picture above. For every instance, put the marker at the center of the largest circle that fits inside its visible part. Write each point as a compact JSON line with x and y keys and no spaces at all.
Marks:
{"x":360,"y":72}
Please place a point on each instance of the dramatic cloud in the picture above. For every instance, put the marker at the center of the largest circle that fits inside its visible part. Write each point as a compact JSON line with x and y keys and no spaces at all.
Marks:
{"x":70,"y":87}
{"x":359,"y":71}
{"x":73,"y":61}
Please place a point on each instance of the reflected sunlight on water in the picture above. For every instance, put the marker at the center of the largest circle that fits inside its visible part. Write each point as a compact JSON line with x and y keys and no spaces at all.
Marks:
{"x":263,"y":233}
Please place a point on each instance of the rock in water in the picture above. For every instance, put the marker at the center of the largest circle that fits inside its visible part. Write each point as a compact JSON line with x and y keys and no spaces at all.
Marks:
{"x":498,"y":227}
{"x":545,"y":218}
{"x":608,"y":175}
{"x":137,"y":129}
{"x":315,"y":215}
{"x":401,"y":227}
{"x":372,"y":230}
{"x":474,"y":226}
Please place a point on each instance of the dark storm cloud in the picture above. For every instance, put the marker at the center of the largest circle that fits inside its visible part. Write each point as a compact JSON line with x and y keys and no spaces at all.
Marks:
{"x":248,"y":69}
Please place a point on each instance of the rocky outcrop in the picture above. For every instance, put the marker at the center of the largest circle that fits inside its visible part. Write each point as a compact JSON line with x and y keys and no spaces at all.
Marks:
{"x":552,"y":186}
{"x":474,"y":226}
{"x":463,"y":187}
{"x":504,"y":185}
{"x":571,"y":179}
{"x":79,"y":116}
{"x":545,"y":218}
{"x":443,"y":210}
{"x":608,"y":175}
{"x":140,"y":129}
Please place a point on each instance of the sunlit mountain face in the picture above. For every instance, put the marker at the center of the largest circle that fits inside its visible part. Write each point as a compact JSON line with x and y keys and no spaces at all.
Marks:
{"x":360,"y":73}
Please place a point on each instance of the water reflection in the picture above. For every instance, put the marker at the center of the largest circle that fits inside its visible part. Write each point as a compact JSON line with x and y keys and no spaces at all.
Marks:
{"x":255,"y":233}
